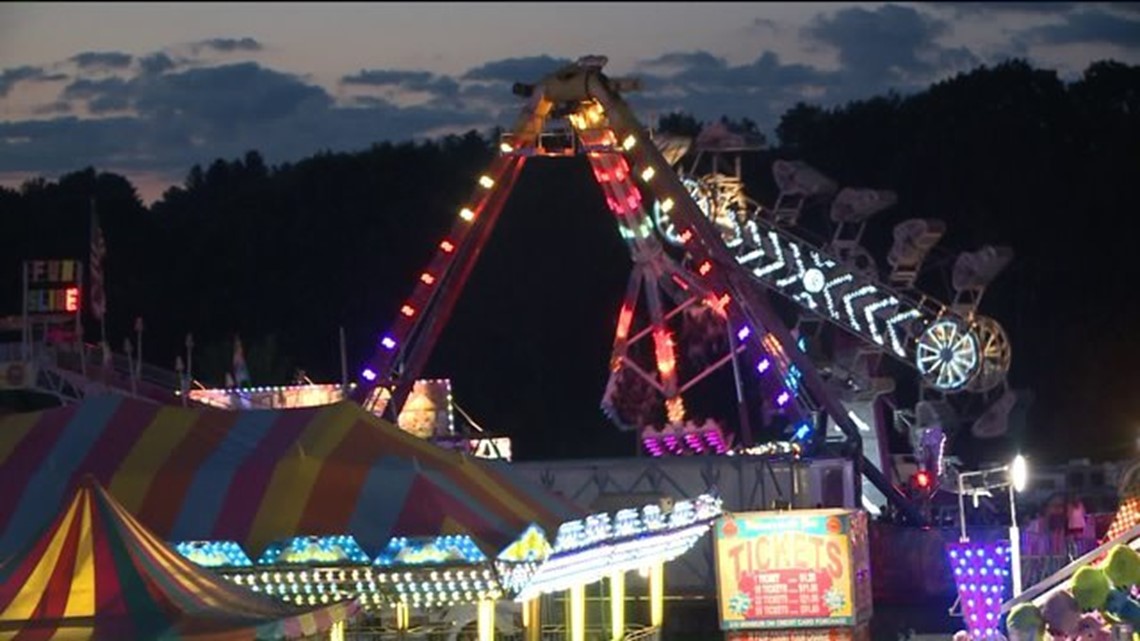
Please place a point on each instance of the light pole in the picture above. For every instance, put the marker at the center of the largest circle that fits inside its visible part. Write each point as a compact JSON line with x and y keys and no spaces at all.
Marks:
{"x":1015,"y":476}
{"x":1018,"y":476}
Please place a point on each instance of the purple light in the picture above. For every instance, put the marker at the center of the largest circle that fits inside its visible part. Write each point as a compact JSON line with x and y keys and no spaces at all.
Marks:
{"x":388,"y":342}
{"x":783,"y":398}
{"x":763,"y":365}
{"x":368,"y":374}
{"x":653,"y":446}
{"x":979,"y":589}
{"x":744,"y":333}
{"x":694,"y":442}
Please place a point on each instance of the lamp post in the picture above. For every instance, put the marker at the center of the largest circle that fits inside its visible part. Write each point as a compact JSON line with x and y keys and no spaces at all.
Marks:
{"x":1018,"y":476}
{"x":1015,"y":476}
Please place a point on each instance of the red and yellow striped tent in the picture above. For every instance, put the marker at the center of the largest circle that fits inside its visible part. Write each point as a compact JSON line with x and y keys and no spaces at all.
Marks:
{"x":96,"y":573}
{"x":259,"y":476}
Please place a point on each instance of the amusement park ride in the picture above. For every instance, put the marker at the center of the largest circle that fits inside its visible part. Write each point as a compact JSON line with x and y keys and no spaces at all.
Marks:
{"x":813,"y":328}
{"x":702,"y":248}
{"x":707,"y":256}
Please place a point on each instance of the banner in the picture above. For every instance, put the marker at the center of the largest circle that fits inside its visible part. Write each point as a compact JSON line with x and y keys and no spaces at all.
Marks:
{"x":16,"y":375}
{"x":788,"y":570}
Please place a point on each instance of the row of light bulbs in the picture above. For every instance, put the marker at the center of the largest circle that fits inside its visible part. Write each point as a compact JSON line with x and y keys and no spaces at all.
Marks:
{"x":360,"y":574}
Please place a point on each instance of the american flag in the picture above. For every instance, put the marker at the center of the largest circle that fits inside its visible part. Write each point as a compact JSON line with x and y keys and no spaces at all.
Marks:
{"x":98,"y":297}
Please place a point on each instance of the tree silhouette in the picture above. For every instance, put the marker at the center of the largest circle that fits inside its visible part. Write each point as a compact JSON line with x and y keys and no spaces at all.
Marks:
{"x":286,"y":254}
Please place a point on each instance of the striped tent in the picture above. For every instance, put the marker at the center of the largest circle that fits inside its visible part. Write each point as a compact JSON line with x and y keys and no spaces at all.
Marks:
{"x":96,"y":573}
{"x":260,"y":476}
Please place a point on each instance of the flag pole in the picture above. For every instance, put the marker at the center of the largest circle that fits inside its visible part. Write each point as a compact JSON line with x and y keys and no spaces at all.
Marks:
{"x":189,"y":361}
{"x":138,"y":358}
{"x":343,"y":365}
{"x":79,"y":323}
{"x":130,"y":366}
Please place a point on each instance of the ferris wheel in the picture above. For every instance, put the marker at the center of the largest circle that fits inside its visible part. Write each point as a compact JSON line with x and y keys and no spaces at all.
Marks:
{"x":947,"y":354}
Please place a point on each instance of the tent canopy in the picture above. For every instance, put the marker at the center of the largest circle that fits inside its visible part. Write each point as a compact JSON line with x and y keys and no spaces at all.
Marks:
{"x":260,"y":476}
{"x":97,"y":573}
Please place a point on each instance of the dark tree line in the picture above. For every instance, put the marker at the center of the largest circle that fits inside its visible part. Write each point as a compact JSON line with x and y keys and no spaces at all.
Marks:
{"x":283,"y":255}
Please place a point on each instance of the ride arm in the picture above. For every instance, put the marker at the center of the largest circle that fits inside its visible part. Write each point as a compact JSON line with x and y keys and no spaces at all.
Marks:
{"x":643,"y":153}
{"x":404,"y":350}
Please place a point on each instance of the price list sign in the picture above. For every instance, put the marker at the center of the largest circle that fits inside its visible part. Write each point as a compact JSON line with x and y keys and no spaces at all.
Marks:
{"x":787,"y":570}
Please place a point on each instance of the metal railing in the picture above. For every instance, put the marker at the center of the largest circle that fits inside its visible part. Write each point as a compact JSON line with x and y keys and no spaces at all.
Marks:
{"x":1035,"y":568}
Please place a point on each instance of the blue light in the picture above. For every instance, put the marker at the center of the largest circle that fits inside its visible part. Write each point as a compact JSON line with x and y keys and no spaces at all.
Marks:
{"x":803,"y":429}
{"x":313,"y":550}
{"x":744,"y":333}
{"x":388,"y":343}
{"x":214,"y":554}
{"x":368,"y":374}
{"x":792,"y":380}
{"x":452,"y":548}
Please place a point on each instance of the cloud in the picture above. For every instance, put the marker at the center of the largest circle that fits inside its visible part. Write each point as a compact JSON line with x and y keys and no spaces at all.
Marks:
{"x":980,"y":8}
{"x":1089,"y":26}
{"x":227,"y":45}
{"x":102,"y":60}
{"x":369,"y":101}
{"x":423,"y":81}
{"x":693,"y":60}
{"x":101,"y":95}
{"x":890,"y":44}
{"x":57,"y":107}
{"x":9,"y":77}
{"x":709,"y":87}
{"x":86,"y":88}
{"x":764,"y":25}
{"x":156,"y":63}
{"x":227,"y":97}
{"x":386,"y":77}
{"x":193,"y":116}
{"x":525,"y":69}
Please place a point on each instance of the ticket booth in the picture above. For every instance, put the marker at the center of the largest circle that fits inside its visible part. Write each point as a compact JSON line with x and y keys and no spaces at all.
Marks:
{"x":802,"y":574}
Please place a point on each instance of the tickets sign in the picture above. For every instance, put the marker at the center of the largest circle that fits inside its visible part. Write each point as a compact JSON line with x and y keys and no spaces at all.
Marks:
{"x":790,"y":570}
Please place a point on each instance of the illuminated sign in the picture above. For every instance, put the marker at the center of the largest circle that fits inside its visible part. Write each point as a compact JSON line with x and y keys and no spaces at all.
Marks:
{"x":530,"y":546}
{"x":269,"y":397}
{"x":428,"y":411}
{"x":787,"y":570}
{"x":590,"y":549}
{"x":52,"y":271}
{"x":495,"y":447}
{"x":53,"y":301}
{"x":52,"y":286}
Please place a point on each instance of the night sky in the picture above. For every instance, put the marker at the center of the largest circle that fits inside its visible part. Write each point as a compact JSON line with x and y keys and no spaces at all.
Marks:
{"x":149,"y":89}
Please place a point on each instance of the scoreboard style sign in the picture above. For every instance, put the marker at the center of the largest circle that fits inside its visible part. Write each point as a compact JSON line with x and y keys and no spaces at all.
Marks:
{"x":792,"y":570}
{"x":52,"y":286}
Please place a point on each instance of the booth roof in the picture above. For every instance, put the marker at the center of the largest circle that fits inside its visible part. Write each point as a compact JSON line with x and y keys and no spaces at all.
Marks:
{"x":96,"y":573}
{"x":260,"y":476}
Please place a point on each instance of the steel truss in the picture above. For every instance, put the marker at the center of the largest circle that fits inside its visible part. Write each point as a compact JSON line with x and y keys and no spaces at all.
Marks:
{"x":633,"y":175}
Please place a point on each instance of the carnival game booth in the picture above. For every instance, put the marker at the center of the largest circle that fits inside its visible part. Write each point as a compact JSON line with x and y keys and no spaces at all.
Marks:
{"x":320,"y":504}
{"x":97,"y":573}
